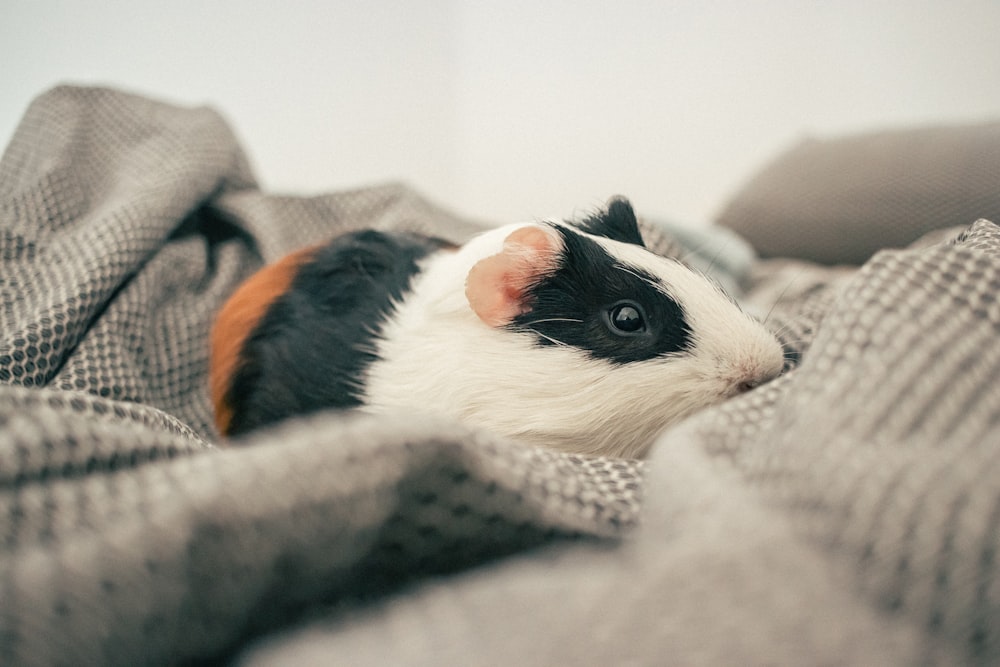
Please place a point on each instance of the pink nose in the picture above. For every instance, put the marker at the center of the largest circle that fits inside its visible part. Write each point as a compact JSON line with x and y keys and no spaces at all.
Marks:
{"x":752,"y":378}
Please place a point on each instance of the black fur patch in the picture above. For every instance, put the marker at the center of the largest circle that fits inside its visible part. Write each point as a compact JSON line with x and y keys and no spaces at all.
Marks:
{"x":313,"y":343}
{"x":571,"y":307}
{"x":617,"y":223}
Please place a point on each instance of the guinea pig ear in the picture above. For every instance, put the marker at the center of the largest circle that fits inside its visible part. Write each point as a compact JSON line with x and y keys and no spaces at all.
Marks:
{"x":617,"y":222}
{"x":498,"y":287}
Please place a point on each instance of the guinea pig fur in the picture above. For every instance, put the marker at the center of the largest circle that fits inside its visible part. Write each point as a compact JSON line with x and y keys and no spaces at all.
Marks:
{"x":570,"y":335}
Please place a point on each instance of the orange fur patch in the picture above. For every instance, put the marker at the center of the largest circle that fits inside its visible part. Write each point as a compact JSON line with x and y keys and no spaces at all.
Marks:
{"x":238,"y":318}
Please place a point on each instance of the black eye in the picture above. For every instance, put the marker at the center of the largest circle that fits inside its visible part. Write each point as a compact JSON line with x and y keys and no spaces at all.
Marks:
{"x":627,"y":317}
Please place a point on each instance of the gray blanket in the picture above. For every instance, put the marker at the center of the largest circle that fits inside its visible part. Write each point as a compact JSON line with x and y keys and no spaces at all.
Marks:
{"x":848,"y":513}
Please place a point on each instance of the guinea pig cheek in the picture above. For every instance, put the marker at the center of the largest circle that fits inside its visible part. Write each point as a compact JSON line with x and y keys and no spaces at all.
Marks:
{"x":498,"y":287}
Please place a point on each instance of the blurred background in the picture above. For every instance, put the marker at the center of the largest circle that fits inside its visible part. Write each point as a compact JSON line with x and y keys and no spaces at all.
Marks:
{"x":521,"y":109}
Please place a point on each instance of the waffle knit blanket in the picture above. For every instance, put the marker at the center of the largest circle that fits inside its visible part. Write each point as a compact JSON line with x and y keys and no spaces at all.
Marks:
{"x":847,"y":513}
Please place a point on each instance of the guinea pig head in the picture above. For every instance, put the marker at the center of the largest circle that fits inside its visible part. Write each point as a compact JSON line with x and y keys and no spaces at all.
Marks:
{"x":571,"y":335}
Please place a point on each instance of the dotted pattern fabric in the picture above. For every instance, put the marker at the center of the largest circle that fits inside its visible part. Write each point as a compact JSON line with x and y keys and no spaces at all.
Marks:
{"x":883,"y":446}
{"x":127,"y":536}
{"x":847,"y":513}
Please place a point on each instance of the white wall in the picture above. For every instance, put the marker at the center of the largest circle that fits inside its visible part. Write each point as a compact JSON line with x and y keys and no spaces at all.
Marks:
{"x":515,"y":109}
{"x":675,"y":103}
{"x":323,"y":94}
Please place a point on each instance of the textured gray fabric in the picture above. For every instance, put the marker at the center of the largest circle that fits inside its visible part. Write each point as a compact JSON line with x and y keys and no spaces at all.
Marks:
{"x":838,"y":201}
{"x":848,"y":513}
{"x":845,"y":514}
{"x":127,"y":538}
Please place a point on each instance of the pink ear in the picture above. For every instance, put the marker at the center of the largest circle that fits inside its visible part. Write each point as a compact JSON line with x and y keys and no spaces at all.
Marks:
{"x":497,"y":287}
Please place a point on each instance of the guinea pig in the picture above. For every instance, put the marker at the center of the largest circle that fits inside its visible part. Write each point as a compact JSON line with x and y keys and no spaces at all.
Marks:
{"x":570,"y":335}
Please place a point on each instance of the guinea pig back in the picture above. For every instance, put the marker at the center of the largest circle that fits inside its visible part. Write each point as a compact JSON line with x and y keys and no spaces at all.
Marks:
{"x":239,"y":316}
{"x":294,"y":337}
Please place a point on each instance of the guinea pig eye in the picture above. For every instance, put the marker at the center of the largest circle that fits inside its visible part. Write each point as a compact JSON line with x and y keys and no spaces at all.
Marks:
{"x":626,"y":317}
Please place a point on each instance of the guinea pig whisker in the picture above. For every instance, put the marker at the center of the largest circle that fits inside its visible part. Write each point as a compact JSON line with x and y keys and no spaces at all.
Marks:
{"x":783,"y":330}
{"x":790,"y":332}
{"x":692,"y":251}
{"x":782,"y":294}
{"x":553,"y":319}
{"x":549,"y":338}
{"x":786,"y":336}
{"x":715,"y":257}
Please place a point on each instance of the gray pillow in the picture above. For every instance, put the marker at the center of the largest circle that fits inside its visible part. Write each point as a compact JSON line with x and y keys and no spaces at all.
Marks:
{"x":839,"y":201}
